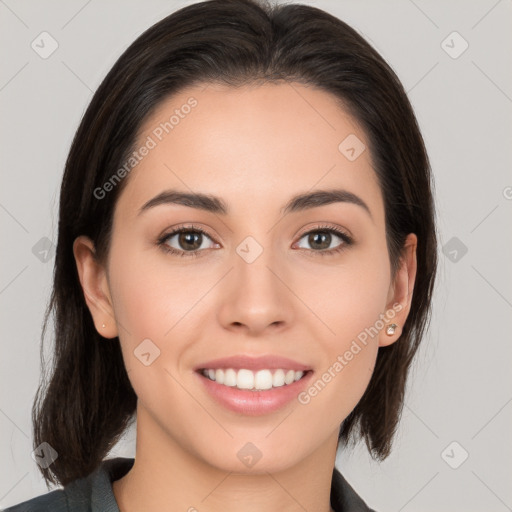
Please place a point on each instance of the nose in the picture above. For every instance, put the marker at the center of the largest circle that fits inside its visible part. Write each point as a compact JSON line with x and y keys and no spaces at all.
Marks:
{"x":256,"y":296}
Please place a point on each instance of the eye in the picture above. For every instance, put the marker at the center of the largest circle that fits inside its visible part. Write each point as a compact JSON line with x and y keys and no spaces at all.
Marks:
{"x":320,"y":240}
{"x":189,"y":241}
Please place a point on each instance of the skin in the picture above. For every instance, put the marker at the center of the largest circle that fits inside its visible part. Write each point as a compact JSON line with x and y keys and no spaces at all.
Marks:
{"x":255,"y":147}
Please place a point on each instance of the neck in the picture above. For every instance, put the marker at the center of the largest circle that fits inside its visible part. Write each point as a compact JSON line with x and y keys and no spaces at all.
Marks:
{"x":167,"y":476}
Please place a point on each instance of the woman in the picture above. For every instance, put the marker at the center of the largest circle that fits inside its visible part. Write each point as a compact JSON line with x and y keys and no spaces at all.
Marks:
{"x":245,"y":264}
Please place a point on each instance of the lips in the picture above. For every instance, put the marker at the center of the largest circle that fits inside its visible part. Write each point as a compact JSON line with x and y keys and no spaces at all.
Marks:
{"x":267,"y":362}
{"x":253,"y":385}
{"x":254,"y":402}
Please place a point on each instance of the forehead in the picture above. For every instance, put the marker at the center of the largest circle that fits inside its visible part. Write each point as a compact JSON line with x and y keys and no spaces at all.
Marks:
{"x":256,"y":146}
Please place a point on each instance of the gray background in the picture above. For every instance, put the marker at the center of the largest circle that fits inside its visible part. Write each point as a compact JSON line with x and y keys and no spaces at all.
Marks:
{"x":460,"y":389}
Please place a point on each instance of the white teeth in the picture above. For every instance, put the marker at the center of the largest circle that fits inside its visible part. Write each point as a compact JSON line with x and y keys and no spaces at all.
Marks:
{"x":230,"y":377}
{"x":247,"y":379}
{"x":289,"y":377}
{"x":278,"y":378}
{"x":263,"y":379}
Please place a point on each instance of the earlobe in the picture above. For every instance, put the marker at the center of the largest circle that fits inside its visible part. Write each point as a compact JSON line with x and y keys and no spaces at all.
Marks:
{"x":95,"y":287}
{"x":390,"y":333}
{"x":401,"y":292}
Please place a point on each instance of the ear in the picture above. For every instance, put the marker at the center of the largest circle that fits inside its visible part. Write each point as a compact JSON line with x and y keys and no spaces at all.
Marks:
{"x":400,"y":292}
{"x":95,"y":286}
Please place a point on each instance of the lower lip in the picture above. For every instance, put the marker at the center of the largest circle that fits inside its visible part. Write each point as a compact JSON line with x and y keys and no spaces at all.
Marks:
{"x":254,"y":403}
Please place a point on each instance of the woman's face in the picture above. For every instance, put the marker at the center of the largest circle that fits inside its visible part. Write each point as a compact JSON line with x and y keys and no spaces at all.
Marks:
{"x":263,"y":281}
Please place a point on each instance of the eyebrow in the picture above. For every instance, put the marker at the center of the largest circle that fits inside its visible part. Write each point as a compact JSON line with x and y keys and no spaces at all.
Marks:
{"x":216,"y":205}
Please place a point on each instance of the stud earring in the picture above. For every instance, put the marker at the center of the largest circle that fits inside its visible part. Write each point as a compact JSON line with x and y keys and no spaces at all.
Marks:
{"x":391,"y":329}
{"x":103,"y":325}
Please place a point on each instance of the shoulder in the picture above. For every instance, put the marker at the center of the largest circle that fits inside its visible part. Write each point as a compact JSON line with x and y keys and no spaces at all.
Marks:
{"x":75,"y":497}
{"x":88,"y":494}
{"x":54,"y":501}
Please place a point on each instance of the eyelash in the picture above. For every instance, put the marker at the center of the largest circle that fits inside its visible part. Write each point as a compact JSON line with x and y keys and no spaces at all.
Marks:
{"x":347,"y":240}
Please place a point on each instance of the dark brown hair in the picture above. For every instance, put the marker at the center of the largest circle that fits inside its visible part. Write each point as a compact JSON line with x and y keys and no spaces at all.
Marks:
{"x":88,"y":401}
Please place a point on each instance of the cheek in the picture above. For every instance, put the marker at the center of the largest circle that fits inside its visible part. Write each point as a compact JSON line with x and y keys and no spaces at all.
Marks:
{"x":350,"y":307}
{"x":348,"y":298}
{"x":151,"y":294}
{"x":154,"y":303}
{"x":348,"y":359}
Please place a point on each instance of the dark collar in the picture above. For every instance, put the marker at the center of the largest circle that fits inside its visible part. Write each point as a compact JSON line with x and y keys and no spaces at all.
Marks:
{"x":343,"y":496}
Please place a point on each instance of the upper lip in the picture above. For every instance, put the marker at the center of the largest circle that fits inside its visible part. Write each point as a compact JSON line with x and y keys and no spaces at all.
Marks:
{"x":271,"y":362}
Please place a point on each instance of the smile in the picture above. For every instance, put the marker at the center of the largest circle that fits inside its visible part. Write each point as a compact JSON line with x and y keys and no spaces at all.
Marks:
{"x":253,"y":393}
{"x":260,"y":380}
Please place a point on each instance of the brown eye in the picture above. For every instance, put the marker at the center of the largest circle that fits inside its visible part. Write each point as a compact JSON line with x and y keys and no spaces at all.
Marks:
{"x":189,"y":240}
{"x":320,"y":240}
{"x":185,"y":241}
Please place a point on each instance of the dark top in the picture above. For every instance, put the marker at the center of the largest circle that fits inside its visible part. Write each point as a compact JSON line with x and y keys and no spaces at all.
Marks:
{"x":94,"y":493}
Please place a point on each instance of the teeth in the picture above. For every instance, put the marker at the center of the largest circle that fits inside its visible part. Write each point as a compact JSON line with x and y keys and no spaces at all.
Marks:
{"x":229,"y":377}
{"x":247,"y":379}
